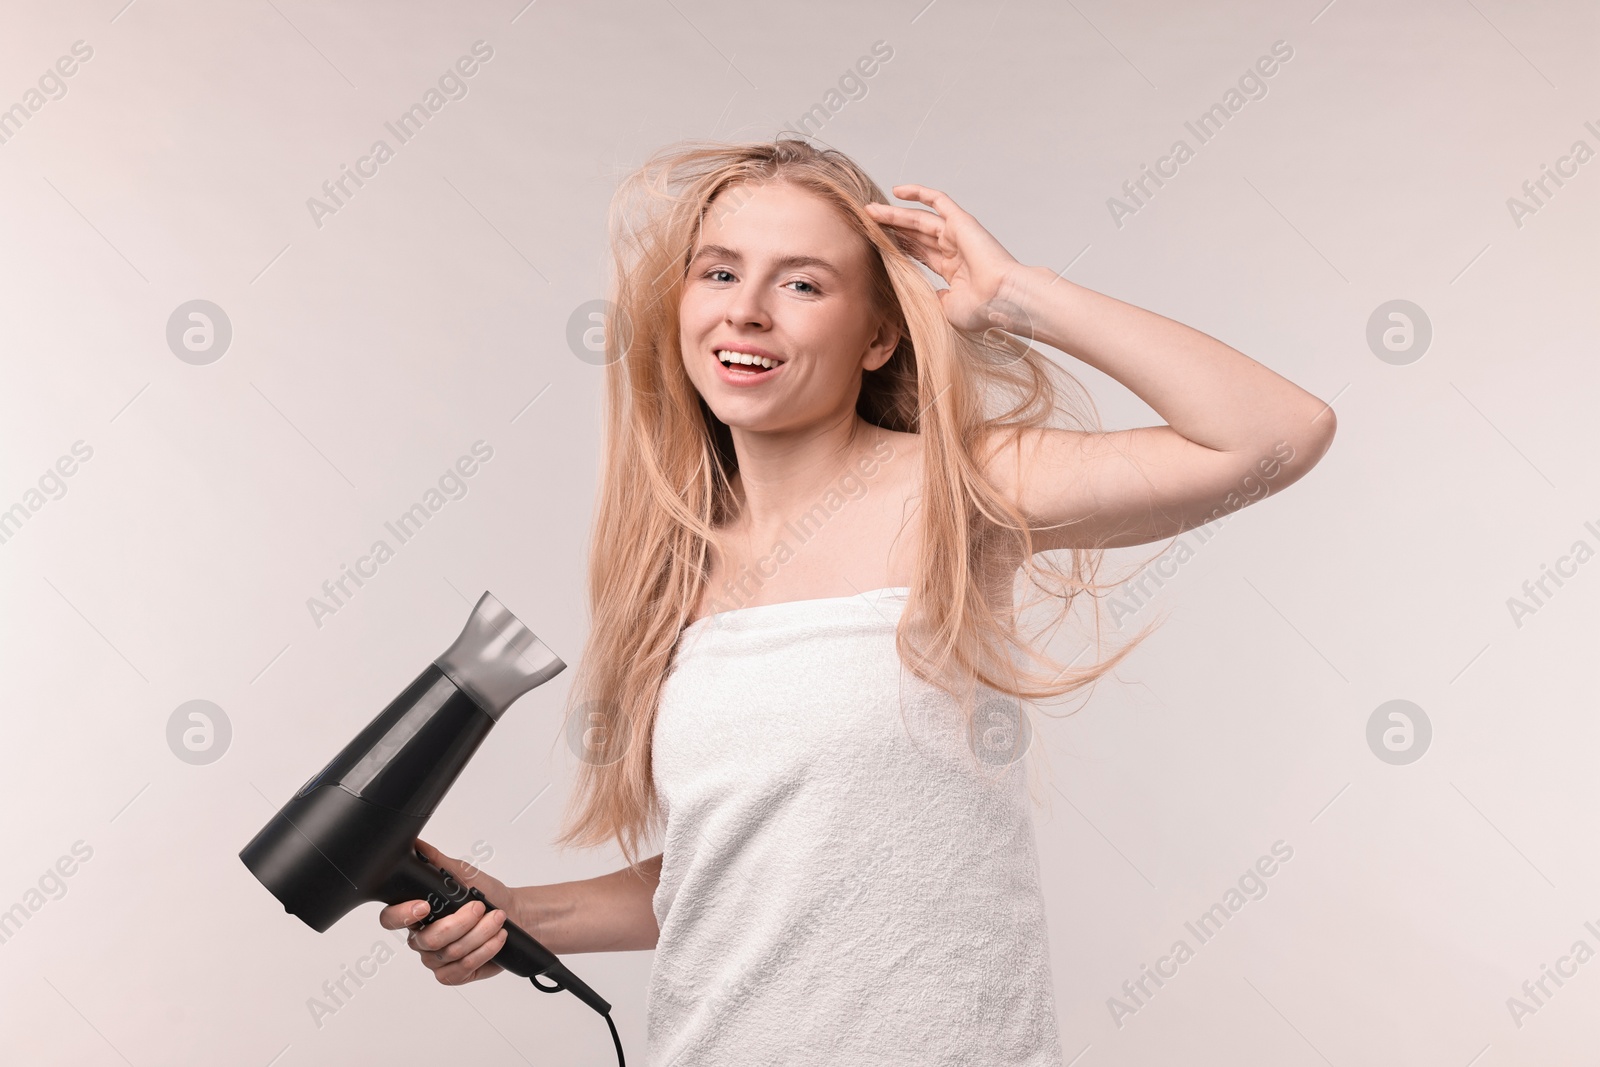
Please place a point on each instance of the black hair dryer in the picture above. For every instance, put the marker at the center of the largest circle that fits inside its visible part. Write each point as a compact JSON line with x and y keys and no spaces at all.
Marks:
{"x":348,"y":836}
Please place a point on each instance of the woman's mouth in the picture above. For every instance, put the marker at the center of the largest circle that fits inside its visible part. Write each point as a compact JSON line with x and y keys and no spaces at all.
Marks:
{"x":742,"y":368}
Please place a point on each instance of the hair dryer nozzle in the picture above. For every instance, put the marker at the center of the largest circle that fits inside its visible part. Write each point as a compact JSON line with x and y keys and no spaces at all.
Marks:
{"x":497,"y":659}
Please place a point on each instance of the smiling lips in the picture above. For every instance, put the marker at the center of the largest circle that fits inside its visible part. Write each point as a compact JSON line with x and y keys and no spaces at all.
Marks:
{"x":744,"y":368}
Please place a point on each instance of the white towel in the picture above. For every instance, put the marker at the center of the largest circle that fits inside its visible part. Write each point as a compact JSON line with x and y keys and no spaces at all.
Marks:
{"x":835,"y":889}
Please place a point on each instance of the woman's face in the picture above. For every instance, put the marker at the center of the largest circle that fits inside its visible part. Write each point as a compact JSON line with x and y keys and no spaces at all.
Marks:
{"x":777,"y":273}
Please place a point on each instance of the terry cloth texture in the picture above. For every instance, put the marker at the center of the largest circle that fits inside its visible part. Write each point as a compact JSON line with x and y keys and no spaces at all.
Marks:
{"x":838,"y":885}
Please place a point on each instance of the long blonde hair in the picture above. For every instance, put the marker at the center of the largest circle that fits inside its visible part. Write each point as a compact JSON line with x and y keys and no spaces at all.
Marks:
{"x":667,"y":462}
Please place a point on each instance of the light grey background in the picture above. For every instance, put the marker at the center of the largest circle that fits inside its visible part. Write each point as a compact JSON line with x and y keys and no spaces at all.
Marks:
{"x":432,"y":310}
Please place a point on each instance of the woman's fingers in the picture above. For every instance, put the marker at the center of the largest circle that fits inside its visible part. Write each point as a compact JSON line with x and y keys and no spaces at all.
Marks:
{"x":456,"y":960}
{"x":907,"y":218}
{"x":937,"y":199}
{"x":398,"y":916}
{"x":475,"y":966}
{"x":922,"y":238}
{"x":482,"y":929}
{"x":435,"y":937}
{"x":458,"y":869}
{"x":431,"y":854}
{"x":458,"y":947}
{"x":457,"y":934}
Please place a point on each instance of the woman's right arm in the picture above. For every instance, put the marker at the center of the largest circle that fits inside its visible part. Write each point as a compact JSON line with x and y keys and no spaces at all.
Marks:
{"x":610,"y":913}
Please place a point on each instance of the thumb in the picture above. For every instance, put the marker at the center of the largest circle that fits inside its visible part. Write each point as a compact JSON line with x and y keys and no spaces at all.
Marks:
{"x":461,"y":870}
{"x":434,"y":856}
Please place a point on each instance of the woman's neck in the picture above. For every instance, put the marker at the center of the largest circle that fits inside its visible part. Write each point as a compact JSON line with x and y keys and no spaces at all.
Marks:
{"x":782,"y":476}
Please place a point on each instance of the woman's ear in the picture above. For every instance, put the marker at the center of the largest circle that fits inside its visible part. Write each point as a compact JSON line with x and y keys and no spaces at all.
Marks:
{"x":883,"y":345}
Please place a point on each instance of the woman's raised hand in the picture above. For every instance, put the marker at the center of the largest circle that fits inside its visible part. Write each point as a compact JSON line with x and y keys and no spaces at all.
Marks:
{"x":459,"y":947}
{"x":952,"y":244}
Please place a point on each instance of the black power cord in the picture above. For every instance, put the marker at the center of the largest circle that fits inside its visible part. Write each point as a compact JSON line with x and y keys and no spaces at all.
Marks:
{"x":615,"y":1040}
{"x":557,"y":988}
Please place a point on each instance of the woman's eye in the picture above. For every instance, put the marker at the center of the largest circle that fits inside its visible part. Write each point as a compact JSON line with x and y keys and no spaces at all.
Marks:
{"x":714,"y":273}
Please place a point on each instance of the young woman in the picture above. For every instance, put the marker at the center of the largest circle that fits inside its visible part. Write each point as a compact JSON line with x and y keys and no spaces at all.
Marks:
{"x":821,"y":478}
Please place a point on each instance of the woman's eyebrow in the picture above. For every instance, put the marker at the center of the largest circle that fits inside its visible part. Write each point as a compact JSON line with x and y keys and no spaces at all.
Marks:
{"x":783,"y":263}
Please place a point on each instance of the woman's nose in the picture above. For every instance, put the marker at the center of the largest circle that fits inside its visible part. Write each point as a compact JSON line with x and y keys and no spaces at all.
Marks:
{"x":746,"y":308}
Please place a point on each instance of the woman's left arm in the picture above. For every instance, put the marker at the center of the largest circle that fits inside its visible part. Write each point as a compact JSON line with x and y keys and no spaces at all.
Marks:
{"x":1234,"y":431}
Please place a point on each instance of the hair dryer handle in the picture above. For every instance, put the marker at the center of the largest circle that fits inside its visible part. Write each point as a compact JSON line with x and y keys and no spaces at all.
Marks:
{"x":415,"y":878}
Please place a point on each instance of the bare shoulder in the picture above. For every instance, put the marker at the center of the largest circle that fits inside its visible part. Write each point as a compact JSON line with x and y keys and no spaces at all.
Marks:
{"x":891,"y":471}
{"x":902,"y":451}
{"x":999,"y":559}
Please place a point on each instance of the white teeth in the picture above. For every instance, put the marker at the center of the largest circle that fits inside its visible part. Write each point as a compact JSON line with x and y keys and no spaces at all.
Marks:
{"x":747,"y":359}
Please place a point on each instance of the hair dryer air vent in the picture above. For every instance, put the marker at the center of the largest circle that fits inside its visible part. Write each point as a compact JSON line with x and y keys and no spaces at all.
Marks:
{"x":497,"y":659}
